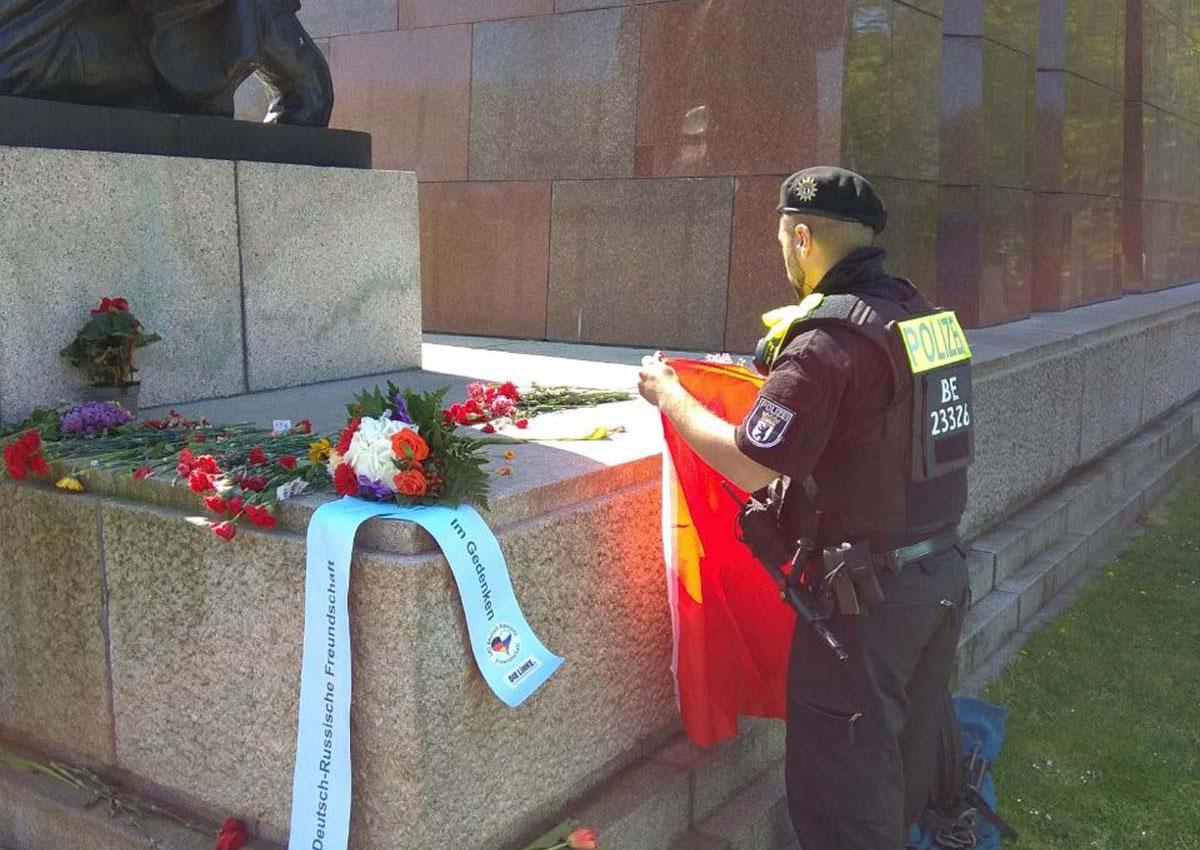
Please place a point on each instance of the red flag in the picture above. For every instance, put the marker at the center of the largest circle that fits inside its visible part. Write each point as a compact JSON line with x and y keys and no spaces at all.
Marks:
{"x":732,"y":632}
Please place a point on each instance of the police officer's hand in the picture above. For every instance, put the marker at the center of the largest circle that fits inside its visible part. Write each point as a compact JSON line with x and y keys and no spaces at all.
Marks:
{"x":656,"y":378}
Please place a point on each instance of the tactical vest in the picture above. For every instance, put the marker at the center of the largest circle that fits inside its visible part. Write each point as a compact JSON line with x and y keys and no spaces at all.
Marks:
{"x":901,"y":478}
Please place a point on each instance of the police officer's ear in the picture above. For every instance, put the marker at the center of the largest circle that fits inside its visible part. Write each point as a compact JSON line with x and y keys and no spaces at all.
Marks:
{"x":802,"y":239}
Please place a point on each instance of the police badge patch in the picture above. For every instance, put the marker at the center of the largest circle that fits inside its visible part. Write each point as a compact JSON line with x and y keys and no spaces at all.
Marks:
{"x":768,"y":423}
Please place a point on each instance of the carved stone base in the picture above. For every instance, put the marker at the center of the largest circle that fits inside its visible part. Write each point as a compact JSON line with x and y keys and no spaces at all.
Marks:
{"x":25,"y":122}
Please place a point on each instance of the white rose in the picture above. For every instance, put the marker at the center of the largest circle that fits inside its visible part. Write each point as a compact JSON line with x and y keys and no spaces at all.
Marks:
{"x":370,"y":451}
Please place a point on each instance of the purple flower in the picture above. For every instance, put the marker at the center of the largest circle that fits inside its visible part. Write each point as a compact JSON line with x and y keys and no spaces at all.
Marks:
{"x":400,"y":410}
{"x":93,"y":418}
{"x":369,"y":488}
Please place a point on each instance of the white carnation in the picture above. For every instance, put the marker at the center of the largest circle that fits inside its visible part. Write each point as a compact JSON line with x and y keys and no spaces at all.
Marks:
{"x":370,"y":451}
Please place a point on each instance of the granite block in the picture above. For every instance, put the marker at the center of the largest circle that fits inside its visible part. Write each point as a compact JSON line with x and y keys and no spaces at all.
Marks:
{"x":722,"y":89}
{"x":491,"y":286}
{"x":984,"y":250}
{"x":1009,"y":104}
{"x":640,"y":262}
{"x":1009,"y":547}
{"x":1072,"y":559}
{"x":54,"y":689}
{"x":1114,"y":386}
{"x":1034,"y":584}
{"x":437,"y":13}
{"x":554,"y":97}
{"x":912,"y":232}
{"x":981,"y":572}
{"x":649,"y":802}
{"x":1045,"y":521}
{"x":323,"y":18}
{"x":757,"y":818}
{"x":1013,"y":23}
{"x":424,"y":724}
{"x":1027,"y":420}
{"x":37,"y":811}
{"x":330,"y":269}
{"x":160,"y":231}
{"x":962,"y":143}
{"x":1103,"y":527}
{"x":987,"y":625}
{"x":757,"y":279}
{"x":719,"y":773}
{"x":1095,"y":40}
{"x":867,"y":144}
{"x":1171,"y":369}
{"x":411,"y":91}
{"x":914,"y":71}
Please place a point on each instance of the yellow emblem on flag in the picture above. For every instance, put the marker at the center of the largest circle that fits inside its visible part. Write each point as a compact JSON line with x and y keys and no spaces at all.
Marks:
{"x":934,"y":341}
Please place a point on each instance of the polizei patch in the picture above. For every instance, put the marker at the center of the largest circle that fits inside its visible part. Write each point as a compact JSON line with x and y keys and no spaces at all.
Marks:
{"x":767,"y":424}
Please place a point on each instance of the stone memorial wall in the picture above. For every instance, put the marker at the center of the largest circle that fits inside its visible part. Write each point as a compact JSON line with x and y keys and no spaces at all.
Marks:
{"x":604,"y":171}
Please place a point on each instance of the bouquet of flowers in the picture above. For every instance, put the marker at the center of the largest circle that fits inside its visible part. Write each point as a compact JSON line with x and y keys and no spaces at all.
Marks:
{"x":103,"y":348}
{"x":498,"y":405}
{"x":399,"y":445}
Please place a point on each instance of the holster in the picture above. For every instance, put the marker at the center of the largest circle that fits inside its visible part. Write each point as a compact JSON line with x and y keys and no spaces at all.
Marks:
{"x":850,"y":576}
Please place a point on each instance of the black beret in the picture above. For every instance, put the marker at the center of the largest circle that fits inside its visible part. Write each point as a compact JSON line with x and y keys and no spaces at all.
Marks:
{"x":833,"y":192}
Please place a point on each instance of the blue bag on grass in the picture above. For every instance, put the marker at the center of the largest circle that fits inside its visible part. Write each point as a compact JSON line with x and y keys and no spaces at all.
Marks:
{"x":983,"y":726}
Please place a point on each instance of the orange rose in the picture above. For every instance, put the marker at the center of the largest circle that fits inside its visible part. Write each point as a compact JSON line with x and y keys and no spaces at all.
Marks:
{"x":410,"y":483}
{"x":409,"y":444}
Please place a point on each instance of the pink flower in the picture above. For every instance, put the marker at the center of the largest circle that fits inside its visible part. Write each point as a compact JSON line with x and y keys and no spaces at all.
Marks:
{"x":503,"y":406}
{"x":582,"y":839}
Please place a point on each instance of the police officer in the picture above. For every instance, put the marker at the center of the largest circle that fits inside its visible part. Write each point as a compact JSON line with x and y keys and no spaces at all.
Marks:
{"x":864,"y":426}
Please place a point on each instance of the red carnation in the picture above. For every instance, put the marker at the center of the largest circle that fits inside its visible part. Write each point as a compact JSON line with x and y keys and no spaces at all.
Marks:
{"x":488,"y":428}
{"x":305,"y":426}
{"x":14,"y":460}
{"x":257,"y":483}
{"x":38,"y":465}
{"x":216,"y":504}
{"x":509,"y":389}
{"x":232,"y":835}
{"x":522,"y":424}
{"x":199,"y":482}
{"x":257,"y":457}
{"x":345,"y":482}
{"x":225,"y":530}
{"x":235,"y":505}
{"x":288,"y":461}
{"x":142,"y":472}
{"x":31,"y":442}
{"x":207,"y":464}
{"x":120,"y":304}
{"x":260,"y":516}
{"x":198,"y":438}
{"x":347,"y":435}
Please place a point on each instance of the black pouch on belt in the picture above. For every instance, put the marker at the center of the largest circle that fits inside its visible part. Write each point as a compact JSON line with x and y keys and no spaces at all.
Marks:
{"x":850,"y":574}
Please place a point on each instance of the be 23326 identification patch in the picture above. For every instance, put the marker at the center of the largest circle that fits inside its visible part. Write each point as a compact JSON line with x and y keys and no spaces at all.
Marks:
{"x":768,"y":423}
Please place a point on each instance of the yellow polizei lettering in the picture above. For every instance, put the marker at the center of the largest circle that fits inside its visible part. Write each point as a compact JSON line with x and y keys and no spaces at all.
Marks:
{"x":934,"y":341}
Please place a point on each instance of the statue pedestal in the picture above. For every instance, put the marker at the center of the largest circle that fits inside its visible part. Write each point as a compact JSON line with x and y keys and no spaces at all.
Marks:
{"x":25,"y":122}
{"x":256,"y":275}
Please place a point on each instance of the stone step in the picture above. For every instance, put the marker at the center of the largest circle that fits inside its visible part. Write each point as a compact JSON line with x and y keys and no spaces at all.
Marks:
{"x":718,"y":773}
{"x":756,"y":819}
{"x":39,"y":813}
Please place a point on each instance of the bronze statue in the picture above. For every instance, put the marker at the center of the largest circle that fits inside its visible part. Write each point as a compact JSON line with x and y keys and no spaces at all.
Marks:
{"x":186,"y":56}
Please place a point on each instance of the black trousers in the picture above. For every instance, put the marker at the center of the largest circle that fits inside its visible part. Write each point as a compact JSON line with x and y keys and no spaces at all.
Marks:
{"x":872,"y":741}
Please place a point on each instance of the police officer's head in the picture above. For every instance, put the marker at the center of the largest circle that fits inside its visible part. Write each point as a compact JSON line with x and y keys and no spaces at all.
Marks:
{"x":824,"y":214}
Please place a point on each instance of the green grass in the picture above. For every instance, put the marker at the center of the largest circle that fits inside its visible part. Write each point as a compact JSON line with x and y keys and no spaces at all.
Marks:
{"x":1103,"y":746}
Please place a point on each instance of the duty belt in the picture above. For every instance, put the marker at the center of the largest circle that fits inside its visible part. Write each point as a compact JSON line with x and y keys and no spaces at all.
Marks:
{"x":896,"y":559}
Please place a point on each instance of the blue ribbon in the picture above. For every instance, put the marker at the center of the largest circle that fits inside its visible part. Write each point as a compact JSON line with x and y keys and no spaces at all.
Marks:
{"x":512,"y":659}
